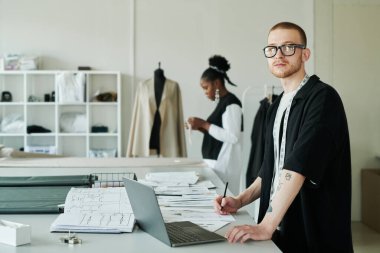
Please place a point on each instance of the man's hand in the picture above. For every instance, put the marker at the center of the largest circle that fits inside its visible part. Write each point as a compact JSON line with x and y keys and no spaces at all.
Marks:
{"x":226,"y":205}
{"x":249,"y":232}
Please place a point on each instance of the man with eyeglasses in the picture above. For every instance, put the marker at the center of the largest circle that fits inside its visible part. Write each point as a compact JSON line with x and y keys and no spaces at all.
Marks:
{"x":304,"y":184}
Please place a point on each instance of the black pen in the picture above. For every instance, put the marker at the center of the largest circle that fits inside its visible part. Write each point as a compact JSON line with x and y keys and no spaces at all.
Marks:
{"x":224,"y":194}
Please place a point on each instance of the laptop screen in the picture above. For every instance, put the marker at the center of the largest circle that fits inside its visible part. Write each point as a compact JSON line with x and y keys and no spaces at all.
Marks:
{"x":146,"y":210}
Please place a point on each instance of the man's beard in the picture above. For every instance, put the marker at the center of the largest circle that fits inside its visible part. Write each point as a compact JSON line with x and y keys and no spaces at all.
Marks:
{"x":294,"y":68}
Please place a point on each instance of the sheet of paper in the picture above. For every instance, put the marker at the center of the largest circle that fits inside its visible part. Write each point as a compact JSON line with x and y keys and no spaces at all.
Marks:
{"x":99,"y":210}
{"x":206,"y":183}
{"x":154,"y":183}
{"x":97,"y":200}
{"x":175,"y":214}
{"x":187,"y":200}
{"x":211,"y":225}
{"x":105,"y":223}
{"x":181,"y":190}
{"x":204,"y":217}
{"x":189,"y":177}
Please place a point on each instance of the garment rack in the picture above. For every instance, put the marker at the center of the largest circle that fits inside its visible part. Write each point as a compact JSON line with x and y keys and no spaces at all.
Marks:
{"x":269,"y":90}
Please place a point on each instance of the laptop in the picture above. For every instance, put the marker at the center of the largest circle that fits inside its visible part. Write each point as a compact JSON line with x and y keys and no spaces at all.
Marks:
{"x":149,"y":217}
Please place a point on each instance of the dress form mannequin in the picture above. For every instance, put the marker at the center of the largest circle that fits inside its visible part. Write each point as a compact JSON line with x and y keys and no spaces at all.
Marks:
{"x":169,"y":136}
{"x":159,"y":82}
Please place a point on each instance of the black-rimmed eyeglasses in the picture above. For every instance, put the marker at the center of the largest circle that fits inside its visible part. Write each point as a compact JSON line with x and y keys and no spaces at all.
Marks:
{"x":286,"y":50}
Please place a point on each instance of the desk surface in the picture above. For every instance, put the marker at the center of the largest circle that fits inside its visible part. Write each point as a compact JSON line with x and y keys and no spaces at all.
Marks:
{"x":72,"y":162}
{"x":45,"y":242}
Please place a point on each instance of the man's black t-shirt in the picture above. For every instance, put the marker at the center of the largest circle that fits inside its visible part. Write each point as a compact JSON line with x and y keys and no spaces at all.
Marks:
{"x":318,"y":147}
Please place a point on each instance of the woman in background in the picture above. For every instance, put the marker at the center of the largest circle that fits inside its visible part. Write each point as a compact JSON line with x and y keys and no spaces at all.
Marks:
{"x":222,"y":141}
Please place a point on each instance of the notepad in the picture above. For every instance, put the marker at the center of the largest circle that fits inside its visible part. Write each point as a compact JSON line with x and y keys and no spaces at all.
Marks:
{"x":95,"y":210}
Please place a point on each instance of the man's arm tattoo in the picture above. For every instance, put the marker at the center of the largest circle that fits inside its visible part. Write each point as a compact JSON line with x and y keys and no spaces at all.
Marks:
{"x":270,"y":209}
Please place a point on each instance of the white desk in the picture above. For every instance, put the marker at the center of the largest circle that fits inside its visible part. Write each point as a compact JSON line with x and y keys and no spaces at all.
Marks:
{"x":45,"y":242}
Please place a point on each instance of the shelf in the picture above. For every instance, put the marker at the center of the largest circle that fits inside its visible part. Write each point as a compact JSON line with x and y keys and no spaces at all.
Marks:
{"x":103,"y":103}
{"x":71,"y":104}
{"x":11,"y":134}
{"x":11,"y":103}
{"x":11,"y":72}
{"x":41,"y":134}
{"x":41,"y":84}
{"x":71,"y":134}
{"x":103,"y":134}
{"x":40,"y":103}
{"x":44,"y":72}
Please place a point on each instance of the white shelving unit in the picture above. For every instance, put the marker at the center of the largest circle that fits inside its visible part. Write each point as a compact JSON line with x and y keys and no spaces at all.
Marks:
{"x":47,"y":114}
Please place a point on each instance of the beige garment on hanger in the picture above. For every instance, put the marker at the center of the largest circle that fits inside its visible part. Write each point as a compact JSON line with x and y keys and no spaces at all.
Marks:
{"x":172,"y":132}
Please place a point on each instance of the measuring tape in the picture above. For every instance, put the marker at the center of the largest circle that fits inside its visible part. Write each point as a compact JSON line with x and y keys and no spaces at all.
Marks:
{"x":280,"y":160}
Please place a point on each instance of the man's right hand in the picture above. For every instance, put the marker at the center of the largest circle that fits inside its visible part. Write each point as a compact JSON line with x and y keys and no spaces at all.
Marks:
{"x":226,"y":205}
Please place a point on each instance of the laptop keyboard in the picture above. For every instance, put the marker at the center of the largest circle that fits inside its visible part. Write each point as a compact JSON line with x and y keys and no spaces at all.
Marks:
{"x":178,"y":234}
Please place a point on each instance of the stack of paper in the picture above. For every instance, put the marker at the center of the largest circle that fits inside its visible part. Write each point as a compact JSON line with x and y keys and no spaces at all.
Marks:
{"x":96,"y":210}
{"x":206,"y":218}
{"x":183,"y":198}
{"x":173,"y":177}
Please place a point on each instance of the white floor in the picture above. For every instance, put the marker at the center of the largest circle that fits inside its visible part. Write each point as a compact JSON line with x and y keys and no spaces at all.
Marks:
{"x":366,"y":240}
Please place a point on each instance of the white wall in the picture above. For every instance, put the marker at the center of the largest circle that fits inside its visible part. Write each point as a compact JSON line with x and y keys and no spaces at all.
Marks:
{"x":67,"y":33}
{"x":71,"y":33}
{"x":181,"y":34}
{"x":359,"y":87}
{"x":347,"y":36}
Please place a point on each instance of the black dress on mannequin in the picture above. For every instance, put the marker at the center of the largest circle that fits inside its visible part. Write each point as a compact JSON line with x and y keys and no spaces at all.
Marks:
{"x":159,"y":83}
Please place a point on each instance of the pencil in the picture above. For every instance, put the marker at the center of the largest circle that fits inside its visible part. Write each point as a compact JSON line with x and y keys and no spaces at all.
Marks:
{"x":224,"y":194}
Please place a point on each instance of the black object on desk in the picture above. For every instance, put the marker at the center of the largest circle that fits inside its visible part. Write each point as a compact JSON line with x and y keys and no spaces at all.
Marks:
{"x":80,"y":180}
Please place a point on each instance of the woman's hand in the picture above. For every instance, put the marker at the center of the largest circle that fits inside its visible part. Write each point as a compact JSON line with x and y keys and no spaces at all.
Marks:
{"x":198,"y":124}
